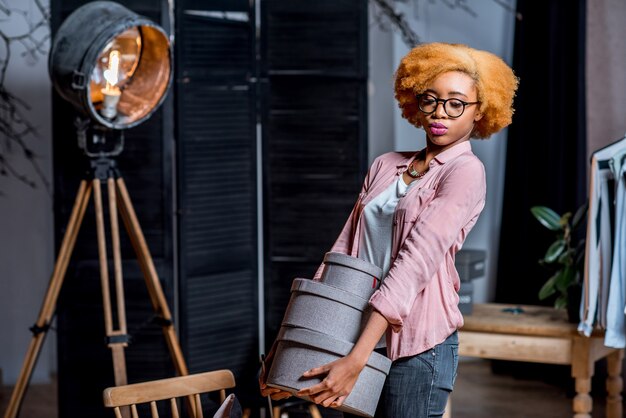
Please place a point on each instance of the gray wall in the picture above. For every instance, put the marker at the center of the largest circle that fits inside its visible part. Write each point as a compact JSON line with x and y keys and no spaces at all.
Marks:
{"x":606,"y":60}
{"x":492,"y":29}
{"x":26,"y":222}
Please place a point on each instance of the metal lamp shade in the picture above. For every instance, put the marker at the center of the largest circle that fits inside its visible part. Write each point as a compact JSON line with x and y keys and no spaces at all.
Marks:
{"x":81,"y":41}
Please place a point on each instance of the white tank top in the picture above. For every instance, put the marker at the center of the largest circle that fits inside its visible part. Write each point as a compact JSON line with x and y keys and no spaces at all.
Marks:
{"x":377,"y":219}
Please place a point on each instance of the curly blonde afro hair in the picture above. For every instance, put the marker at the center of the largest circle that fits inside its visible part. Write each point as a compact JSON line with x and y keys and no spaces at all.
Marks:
{"x":494,"y":80}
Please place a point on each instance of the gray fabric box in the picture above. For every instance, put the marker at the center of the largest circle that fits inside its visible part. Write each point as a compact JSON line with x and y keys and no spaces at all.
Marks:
{"x":351,"y":274}
{"x":300,"y":350}
{"x":322,"y":308}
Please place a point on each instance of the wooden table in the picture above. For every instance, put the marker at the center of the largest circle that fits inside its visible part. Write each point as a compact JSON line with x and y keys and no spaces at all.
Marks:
{"x":543,"y":335}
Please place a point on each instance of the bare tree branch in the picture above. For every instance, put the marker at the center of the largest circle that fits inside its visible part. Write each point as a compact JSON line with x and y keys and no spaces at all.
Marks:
{"x":387,"y":15}
{"x":15,"y":128}
{"x":398,"y":21}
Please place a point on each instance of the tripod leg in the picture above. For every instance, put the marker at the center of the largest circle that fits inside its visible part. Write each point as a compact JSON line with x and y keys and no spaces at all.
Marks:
{"x":117,"y":258}
{"x":152,"y":280}
{"x":117,"y":348}
{"x":159,"y":303}
{"x":52,"y":294}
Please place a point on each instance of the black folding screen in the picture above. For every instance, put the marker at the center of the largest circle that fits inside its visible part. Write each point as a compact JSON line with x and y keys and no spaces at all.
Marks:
{"x":217,"y":193}
{"x":191,"y":173}
{"x":314,"y":68}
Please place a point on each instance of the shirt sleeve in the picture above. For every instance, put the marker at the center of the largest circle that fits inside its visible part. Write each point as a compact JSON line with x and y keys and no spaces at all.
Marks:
{"x":344,"y":243}
{"x":458,"y":200}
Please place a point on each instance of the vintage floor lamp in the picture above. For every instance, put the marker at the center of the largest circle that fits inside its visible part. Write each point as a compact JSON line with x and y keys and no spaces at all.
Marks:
{"x":115,"y":67}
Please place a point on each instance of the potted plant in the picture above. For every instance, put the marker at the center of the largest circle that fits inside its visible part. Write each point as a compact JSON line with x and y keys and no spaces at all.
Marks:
{"x":562,"y":257}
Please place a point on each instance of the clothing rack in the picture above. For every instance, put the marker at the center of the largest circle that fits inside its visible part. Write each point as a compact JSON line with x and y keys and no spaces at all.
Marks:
{"x":603,"y":304}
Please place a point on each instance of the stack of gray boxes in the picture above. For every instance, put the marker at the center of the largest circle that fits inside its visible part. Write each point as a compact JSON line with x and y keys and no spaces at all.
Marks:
{"x":324,"y":319}
{"x":321,"y":324}
{"x":471,"y":265}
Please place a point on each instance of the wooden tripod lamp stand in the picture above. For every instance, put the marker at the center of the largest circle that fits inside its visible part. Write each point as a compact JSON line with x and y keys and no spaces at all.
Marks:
{"x":115,"y":67}
{"x":104,"y":172}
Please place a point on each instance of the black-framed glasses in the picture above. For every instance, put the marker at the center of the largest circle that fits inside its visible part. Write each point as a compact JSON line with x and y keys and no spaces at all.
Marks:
{"x":453,"y":107}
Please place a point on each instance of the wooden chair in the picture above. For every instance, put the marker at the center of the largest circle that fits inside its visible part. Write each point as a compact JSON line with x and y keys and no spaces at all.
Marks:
{"x":151,"y":392}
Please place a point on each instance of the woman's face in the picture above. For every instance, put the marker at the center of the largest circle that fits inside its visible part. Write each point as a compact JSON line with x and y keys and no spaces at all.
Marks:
{"x":443,"y":131}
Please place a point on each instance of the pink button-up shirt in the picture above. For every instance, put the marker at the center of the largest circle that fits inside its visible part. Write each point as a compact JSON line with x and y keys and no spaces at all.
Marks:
{"x":419,"y":296}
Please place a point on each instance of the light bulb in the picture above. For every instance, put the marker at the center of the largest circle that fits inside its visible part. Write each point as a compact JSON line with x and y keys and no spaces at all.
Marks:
{"x":116,"y":65}
{"x":111,"y":92}
{"x":112,"y":74}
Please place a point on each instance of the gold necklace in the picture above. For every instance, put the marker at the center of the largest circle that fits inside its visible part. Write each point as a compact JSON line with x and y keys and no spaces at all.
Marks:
{"x":413,"y":173}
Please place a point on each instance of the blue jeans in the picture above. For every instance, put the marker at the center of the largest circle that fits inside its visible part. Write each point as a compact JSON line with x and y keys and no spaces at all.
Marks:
{"x":419,"y":386}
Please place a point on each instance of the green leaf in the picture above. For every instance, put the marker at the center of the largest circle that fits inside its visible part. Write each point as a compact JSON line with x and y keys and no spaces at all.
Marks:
{"x":580,"y":214}
{"x":565,"y":219}
{"x":554,"y":251}
{"x":561,"y":302}
{"x":548,"y":288}
{"x":564,"y":258}
{"x":547,"y":217}
{"x":565,"y":279}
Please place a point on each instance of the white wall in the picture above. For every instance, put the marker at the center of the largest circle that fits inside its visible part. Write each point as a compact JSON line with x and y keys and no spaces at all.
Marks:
{"x":492,"y":30}
{"x":26,"y":220}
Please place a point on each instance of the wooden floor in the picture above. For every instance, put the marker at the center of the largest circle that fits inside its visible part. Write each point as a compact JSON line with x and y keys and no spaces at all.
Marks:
{"x":479,"y":393}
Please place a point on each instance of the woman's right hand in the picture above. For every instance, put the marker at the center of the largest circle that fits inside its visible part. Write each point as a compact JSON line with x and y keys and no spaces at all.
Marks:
{"x":275,"y":393}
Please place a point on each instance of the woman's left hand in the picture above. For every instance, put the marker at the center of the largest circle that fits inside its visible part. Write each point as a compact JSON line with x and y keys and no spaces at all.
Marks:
{"x":332,"y":391}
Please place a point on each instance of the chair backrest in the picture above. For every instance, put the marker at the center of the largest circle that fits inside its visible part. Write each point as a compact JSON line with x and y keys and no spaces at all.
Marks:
{"x":190,"y":386}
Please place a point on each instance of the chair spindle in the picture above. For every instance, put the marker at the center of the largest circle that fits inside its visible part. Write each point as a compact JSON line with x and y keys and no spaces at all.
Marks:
{"x":174,"y":407}
{"x":154,"y":410}
{"x":198,"y":406}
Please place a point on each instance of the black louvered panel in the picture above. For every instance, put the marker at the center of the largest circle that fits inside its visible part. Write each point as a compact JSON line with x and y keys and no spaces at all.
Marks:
{"x":314,"y":134}
{"x":216,"y":5}
{"x":324,"y":36}
{"x":84,"y":361}
{"x":218,"y":193}
{"x":306,"y":236}
{"x":278,"y":290}
{"x":218,"y":338}
{"x":221,"y":326}
{"x":215,"y":47}
{"x":314,"y":152}
{"x":216,"y":131}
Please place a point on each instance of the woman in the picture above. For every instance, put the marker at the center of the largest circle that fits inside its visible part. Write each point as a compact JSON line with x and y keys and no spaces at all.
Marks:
{"x":412,"y":216}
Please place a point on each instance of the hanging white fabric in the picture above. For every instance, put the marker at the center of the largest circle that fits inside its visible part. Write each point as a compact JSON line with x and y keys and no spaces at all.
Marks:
{"x":604,"y":290}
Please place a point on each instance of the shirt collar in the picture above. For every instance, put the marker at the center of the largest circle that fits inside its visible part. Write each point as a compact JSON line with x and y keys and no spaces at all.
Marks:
{"x":453,"y":152}
{"x":444,"y":156}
